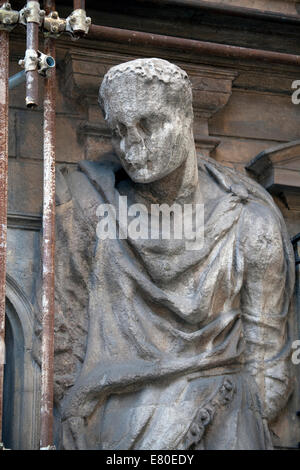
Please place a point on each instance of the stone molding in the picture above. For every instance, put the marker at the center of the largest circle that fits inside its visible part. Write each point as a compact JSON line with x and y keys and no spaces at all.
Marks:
{"x":26,"y":393}
{"x":278,"y":170}
{"x":23,"y":221}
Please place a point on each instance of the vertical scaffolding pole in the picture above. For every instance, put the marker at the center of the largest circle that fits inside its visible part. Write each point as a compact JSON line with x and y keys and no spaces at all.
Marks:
{"x":79,"y":4}
{"x":4,"y":57}
{"x":48,"y":250}
{"x":32,"y":45}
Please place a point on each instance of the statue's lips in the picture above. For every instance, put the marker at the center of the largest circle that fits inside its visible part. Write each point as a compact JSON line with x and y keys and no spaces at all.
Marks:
{"x":134,"y":166}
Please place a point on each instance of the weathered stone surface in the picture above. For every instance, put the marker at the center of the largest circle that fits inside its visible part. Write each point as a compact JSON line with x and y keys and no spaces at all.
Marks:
{"x":241,"y":151}
{"x":30,"y":134}
{"x":25,"y":182}
{"x":156,"y":341}
{"x":23,"y":255}
{"x":255,"y":114}
{"x":25,"y":186}
{"x":278,"y":168}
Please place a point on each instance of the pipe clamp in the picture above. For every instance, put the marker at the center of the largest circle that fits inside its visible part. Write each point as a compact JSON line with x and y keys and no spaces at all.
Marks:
{"x":32,"y":13}
{"x":8,"y":18}
{"x":54,"y":26}
{"x":78,"y":23}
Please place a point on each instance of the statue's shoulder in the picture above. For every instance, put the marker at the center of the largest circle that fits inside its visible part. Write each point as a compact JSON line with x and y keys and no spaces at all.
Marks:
{"x":230,"y":179}
{"x":250,"y":193}
{"x":261,"y":225}
{"x":81,"y":180}
{"x":261,"y":229}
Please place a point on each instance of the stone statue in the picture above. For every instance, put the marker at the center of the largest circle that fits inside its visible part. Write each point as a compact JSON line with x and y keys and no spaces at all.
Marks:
{"x":159,"y":346}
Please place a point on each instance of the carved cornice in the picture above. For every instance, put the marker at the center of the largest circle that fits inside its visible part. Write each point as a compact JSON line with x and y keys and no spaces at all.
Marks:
{"x":94,"y":130}
{"x":278,"y":170}
{"x":212,"y":86}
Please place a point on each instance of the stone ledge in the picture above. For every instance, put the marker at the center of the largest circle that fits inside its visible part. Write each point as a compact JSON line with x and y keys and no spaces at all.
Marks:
{"x":20,"y":220}
{"x":278,"y":170}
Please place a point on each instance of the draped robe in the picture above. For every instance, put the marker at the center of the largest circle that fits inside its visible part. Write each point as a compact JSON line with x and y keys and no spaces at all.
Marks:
{"x":181,"y":349}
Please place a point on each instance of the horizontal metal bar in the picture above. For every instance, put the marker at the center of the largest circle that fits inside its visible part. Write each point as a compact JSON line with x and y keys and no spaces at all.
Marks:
{"x":17,"y":79}
{"x":138,"y":38}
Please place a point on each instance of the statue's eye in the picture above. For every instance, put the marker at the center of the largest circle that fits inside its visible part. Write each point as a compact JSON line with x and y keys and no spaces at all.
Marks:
{"x":122,"y":129}
{"x":151,"y":124}
{"x":115,"y":133}
{"x":119,"y":131}
{"x":145,"y":126}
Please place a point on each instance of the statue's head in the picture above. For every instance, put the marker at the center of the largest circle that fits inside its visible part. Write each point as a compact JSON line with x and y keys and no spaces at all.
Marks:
{"x":147,"y":104}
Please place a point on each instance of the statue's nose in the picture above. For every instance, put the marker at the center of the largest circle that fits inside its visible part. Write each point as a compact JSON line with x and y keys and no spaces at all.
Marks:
{"x":133,"y":136}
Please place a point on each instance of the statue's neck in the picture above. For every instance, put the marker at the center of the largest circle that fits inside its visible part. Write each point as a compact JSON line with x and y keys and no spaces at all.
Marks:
{"x":180,"y":186}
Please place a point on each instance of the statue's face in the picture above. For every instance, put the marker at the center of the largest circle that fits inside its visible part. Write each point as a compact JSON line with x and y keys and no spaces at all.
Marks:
{"x":149,"y":132}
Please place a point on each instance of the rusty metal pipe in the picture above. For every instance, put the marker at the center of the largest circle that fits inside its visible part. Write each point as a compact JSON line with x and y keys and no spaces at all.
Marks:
{"x":230,"y":10}
{"x":137,"y":38}
{"x":48,"y":249}
{"x":32,"y":43}
{"x":79,"y":4}
{"x":4,"y":54}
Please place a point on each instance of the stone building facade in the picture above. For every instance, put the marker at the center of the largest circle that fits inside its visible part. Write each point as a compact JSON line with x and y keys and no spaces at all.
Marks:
{"x":244,"y":118}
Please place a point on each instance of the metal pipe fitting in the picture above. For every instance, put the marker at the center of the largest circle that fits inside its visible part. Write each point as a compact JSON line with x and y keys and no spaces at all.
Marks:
{"x":45,"y":62}
{"x":53,"y":25}
{"x":30,"y":60}
{"x":31,"y":13}
{"x":8,"y":18}
{"x":77,"y":23}
{"x":37,"y":60}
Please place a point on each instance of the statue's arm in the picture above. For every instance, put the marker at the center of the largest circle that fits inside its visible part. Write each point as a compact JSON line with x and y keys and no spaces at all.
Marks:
{"x":265,"y":306}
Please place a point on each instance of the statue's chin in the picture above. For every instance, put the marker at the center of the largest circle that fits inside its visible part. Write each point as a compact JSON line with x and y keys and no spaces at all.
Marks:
{"x":146,"y":175}
{"x":143,"y":175}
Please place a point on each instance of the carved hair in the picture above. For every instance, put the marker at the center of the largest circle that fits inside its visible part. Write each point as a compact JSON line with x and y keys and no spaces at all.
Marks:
{"x":176,"y":79}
